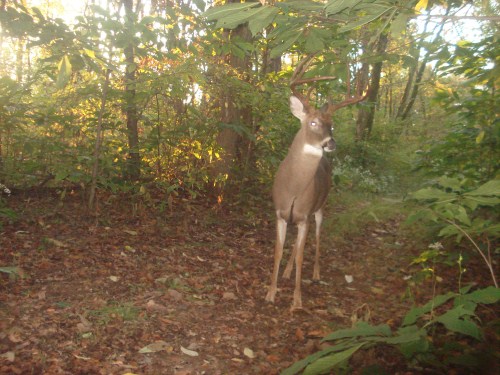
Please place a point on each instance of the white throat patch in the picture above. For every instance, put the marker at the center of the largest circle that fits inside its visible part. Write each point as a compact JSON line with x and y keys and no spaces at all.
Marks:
{"x":312,"y":150}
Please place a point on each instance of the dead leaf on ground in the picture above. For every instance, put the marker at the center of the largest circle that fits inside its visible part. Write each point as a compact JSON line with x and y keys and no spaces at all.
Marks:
{"x":155,"y":347}
{"x":9,"y":356}
{"x":188,"y":352}
{"x":57,"y":243}
{"x":249,"y":353}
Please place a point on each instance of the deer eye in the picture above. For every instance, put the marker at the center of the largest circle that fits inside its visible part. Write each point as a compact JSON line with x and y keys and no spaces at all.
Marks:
{"x":314,"y":124}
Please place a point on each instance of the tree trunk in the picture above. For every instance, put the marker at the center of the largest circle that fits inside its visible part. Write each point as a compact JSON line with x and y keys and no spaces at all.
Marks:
{"x":134,"y":159}
{"x":98,"y":141}
{"x":421,"y":70}
{"x":231,"y":142}
{"x":366,"y":114}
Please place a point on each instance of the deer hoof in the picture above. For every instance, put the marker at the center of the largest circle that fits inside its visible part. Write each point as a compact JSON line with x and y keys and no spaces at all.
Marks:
{"x":270,"y":296}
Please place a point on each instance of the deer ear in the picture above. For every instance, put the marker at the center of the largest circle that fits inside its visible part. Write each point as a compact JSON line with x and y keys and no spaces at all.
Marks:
{"x":297,"y":108}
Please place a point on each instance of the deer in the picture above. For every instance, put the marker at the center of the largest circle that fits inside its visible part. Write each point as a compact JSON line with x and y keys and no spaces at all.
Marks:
{"x":303,"y":180}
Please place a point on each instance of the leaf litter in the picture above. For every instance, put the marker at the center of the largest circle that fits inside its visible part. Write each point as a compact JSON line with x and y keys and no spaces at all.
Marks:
{"x":85,"y":306}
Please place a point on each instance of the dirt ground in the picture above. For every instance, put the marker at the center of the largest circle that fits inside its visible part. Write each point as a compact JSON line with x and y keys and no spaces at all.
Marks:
{"x":135,"y":290}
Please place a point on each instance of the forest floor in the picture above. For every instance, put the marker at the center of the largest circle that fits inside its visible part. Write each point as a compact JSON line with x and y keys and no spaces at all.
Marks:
{"x":182,"y":292}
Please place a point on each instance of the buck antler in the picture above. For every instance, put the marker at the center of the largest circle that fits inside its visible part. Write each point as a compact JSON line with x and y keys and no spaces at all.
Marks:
{"x":297,"y":79}
{"x":361,"y":90}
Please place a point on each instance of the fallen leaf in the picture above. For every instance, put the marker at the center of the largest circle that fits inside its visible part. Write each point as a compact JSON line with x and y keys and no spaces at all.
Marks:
{"x":84,"y":326}
{"x":131,"y":232}
{"x":153,"y":306}
{"x":272,"y":358}
{"x":188,"y":352}
{"x":129,"y":248}
{"x":349,"y":278}
{"x":377,"y":290}
{"x":299,"y":334}
{"x":9,"y":356}
{"x":156,"y":346}
{"x":229,"y":296}
{"x":41,"y":295}
{"x":52,"y":241}
{"x":249,"y":353}
{"x":114,"y":278}
{"x":177,"y":296}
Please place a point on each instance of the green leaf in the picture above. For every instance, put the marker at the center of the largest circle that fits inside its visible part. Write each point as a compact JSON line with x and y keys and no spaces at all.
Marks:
{"x":490,"y":188}
{"x":262,"y":19}
{"x":411,"y":340}
{"x":461,"y":216}
{"x":473,"y":201}
{"x":398,"y":25}
{"x":450,"y":183}
{"x":488,"y":295}
{"x":285,"y":44}
{"x":432,"y":194}
{"x":301,"y":5}
{"x":300,"y":365}
{"x":362,"y":329}
{"x":325,"y":364}
{"x":366,"y":19}
{"x":337,"y":6}
{"x":64,"y":72}
{"x":217,"y":13}
{"x":449,"y":230}
{"x":417,"y":312}
{"x":453,"y":320}
{"x":314,"y":43}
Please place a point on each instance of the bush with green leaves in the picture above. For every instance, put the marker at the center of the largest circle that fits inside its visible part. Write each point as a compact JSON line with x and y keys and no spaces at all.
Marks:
{"x":415,"y":338}
{"x":347,"y":172}
{"x":461,"y":210}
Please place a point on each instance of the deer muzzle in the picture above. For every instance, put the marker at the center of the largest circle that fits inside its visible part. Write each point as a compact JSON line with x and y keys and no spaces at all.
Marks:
{"x":329,"y":144}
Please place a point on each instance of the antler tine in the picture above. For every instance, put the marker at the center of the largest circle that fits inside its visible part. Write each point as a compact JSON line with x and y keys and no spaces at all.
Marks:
{"x":361,"y":87}
{"x":297,"y":79}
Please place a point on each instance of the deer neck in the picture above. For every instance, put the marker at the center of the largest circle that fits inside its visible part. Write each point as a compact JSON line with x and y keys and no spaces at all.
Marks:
{"x":303,"y":151}
{"x":300,"y":165}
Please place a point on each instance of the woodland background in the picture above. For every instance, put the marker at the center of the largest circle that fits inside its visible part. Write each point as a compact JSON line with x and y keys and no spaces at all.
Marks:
{"x":160,"y":104}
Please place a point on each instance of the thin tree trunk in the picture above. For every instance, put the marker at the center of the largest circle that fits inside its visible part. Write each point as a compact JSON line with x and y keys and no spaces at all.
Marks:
{"x":228,"y":139}
{"x":366,"y":114}
{"x":420,"y":73}
{"x":134,"y":160}
{"x":3,"y":4}
{"x":98,"y":142}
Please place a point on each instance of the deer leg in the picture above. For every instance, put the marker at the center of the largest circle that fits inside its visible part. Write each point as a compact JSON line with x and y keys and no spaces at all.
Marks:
{"x":318,"y":217}
{"x":289,"y":265}
{"x":278,"y":254}
{"x":299,"y":257}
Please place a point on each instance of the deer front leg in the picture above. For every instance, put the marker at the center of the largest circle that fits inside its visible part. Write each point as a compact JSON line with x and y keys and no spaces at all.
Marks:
{"x":299,"y":257}
{"x":318,"y":217}
{"x":278,"y":254}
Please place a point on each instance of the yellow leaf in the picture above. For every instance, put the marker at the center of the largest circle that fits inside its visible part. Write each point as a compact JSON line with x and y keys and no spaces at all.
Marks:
{"x":421,"y":5}
{"x":480,"y":137}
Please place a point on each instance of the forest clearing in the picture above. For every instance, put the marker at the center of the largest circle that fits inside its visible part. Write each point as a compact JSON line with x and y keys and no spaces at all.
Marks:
{"x":153,"y":155}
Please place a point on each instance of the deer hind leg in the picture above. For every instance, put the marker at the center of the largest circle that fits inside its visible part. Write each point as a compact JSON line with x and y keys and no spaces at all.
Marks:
{"x":289,"y":265}
{"x":299,"y":257}
{"x":318,"y":218}
{"x":278,"y":254}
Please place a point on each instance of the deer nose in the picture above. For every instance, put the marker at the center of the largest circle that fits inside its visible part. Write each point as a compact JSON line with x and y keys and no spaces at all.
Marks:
{"x":329,"y":145}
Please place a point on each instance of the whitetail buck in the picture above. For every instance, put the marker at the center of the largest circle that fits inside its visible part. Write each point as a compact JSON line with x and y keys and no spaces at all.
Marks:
{"x":303,"y":180}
